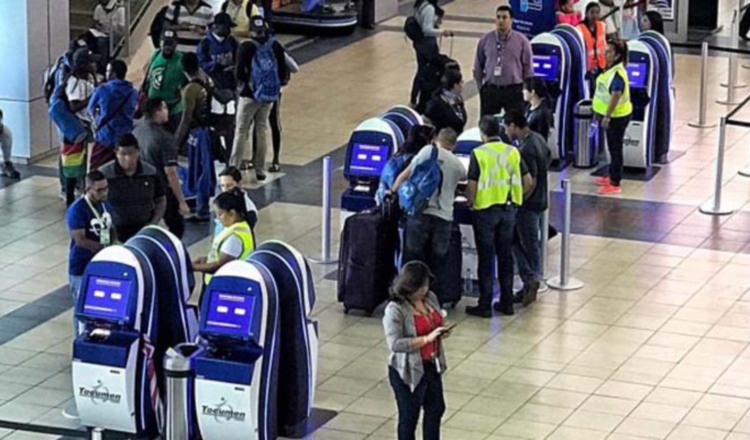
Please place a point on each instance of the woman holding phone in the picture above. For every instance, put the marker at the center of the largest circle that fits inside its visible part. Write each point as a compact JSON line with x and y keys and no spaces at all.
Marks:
{"x":414,"y":329}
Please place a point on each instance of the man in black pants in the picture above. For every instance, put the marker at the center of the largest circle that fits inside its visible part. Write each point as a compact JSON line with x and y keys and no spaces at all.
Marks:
{"x":503,"y":61}
{"x":159,"y":149}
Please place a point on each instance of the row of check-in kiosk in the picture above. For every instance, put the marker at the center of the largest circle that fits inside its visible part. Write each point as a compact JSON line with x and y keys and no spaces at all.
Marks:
{"x":249,"y":355}
{"x":560,"y":60}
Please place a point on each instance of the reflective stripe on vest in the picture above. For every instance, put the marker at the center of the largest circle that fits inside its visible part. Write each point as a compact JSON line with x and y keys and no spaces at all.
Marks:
{"x":243,"y":232}
{"x":499,"y":175}
{"x":602,"y":97}
{"x":595,"y":56}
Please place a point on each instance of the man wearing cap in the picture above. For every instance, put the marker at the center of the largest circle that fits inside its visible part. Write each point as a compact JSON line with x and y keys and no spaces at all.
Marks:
{"x":255,"y":102}
{"x":166,"y":77}
{"x":216,"y":52}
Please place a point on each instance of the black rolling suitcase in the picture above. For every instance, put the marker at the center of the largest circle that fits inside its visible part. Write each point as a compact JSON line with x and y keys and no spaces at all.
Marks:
{"x":366,"y":258}
{"x":448,"y":284}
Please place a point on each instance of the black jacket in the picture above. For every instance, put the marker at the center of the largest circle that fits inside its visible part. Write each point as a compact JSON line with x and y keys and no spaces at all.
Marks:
{"x":245,"y":55}
{"x":442,"y":114}
{"x":540,"y":119}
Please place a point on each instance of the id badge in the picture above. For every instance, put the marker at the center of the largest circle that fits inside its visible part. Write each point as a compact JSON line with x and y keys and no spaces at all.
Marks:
{"x":498,"y":71}
{"x":104,"y":237}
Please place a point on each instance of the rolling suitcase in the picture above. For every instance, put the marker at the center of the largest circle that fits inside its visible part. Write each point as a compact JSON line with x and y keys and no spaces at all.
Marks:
{"x":448,"y":284}
{"x":366,"y":258}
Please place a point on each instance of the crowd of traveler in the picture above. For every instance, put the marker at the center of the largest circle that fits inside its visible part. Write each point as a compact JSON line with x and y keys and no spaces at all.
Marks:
{"x":214,"y":83}
{"x":146,"y":153}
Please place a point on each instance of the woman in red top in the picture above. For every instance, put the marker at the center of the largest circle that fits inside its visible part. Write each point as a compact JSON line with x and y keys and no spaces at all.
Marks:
{"x":414,"y":329}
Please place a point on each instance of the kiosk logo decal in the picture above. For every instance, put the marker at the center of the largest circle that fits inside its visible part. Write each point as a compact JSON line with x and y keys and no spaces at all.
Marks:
{"x":223,"y":412}
{"x":99,"y":394}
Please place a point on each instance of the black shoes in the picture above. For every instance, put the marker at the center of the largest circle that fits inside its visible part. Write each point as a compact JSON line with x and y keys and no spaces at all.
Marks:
{"x":478,"y":311}
{"x":506,"y":310}
{"x":529,"y":295}
{"x":274,"y":168}
{"x":260,"y":175}
{"x":10,"y":172}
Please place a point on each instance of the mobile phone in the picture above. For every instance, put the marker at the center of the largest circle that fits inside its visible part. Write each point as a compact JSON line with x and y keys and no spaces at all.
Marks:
{"x":450,"y":327}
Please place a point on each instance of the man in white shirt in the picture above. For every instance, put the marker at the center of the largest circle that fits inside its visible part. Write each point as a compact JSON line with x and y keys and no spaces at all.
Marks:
{"x":190,"y":19}
{"x":109,"y":17}
{"x":81,"y":83}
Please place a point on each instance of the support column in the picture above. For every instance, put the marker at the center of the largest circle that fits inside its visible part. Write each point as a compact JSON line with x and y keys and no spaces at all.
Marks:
{"x":35,"y":33}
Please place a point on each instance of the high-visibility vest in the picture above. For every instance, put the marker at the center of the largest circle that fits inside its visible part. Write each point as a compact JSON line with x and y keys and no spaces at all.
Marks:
{"x":243,"y":232}
{"x":499,"y":175}
{"x":602,"y":96}
{"x":595,"y":48}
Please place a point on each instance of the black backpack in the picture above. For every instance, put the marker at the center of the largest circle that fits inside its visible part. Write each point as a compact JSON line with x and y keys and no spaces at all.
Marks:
{"x":157,"y":25}
{"x":413,"y":29}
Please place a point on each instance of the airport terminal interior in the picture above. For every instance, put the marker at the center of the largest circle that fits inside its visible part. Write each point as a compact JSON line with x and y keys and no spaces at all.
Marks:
{"x":656,"y":345}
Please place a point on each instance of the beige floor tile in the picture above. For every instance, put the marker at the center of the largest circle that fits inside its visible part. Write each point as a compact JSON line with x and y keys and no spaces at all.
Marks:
{"x":684,"y":432}
{"x":571,"y":433}
{"x":469,"y":421}
{"x":542,"y":413}
{"x":525,"y":429}
{"x":569,"y":382}
{"x":711,"y":419}
{"x":609,"y":405}
{"x":645,"y":428}
{"x":357,"y":423}
{"x":596,"y":421}
{"x":559,"y":398}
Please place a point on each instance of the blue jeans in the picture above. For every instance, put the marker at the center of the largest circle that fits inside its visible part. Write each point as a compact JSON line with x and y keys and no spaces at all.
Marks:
{"x":427,"y":396}
{"x":75,"y":289}
{"x":427,"y":238}
{"x":527,"y":250}
{"x":493,"y":233}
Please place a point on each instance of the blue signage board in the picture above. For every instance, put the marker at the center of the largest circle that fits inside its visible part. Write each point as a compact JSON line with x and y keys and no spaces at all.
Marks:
{"x":533,"y":17}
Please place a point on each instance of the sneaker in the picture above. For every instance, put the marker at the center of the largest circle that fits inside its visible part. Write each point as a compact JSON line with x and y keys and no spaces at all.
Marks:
{"x":531,"y":292}
{"x":274,"y":168}
{"x":609,"y":190}
{"x":518,"y":296}
{"x":603,"y":181}
{"x":260,"y":175}
{"x":478,"y":311}
{"x":10,"y":172}
{"x":505,"y":310}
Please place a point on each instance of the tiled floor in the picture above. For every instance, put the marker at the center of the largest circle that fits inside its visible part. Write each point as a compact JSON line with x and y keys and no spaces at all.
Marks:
{"x":655,"y":346}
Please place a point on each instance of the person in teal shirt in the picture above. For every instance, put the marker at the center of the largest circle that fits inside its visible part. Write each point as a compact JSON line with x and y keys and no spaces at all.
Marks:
{"x":165,"y":77}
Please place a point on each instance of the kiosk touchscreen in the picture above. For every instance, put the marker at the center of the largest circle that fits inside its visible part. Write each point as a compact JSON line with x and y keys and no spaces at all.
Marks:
{"x":236,"y":372}
{"x":370,"y":147}
{"x":112,"y":358}
{"x":298,"y":361}
{"x":639,"y":136}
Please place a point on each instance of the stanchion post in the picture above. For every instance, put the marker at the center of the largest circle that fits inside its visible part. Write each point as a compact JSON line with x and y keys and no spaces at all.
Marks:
{"x":564,"y":282}
{"x":715,"y":207}
{"x":325,"y":235}
{"x":703,"y":98}
{"x":97,"y":434}
{"x":545,"y":250}
{"x":733,"y":61}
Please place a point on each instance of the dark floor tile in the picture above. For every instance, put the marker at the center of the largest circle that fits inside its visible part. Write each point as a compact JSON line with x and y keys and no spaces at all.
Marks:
{"x":724,"y":245}
{"x":738,"y":222}
{"x":704,"y":231}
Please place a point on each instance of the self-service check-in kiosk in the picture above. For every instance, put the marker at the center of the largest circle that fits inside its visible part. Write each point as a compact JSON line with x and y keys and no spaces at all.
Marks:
{"x":559,"y":60}
{"x":114,"y":373}
{"x":370,"y":146}
{"x":665,"y":93}
{"x":174,"y":280}
{"x":236,"y":372}
{"x":298,"y":360}
{"x":550,"y":60}
{"x":643,"y":69}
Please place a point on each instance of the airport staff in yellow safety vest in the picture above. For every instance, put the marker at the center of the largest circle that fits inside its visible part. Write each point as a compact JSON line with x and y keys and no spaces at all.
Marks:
{"x":613,"y":108}
{"x":235,"y":242}
{"x":498,"y":180}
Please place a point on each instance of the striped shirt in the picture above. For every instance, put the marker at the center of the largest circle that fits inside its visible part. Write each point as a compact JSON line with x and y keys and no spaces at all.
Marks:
{"x":202,"y":16}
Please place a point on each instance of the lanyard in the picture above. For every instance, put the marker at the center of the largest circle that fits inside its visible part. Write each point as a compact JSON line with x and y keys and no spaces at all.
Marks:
{"x":501,"y":43}
{"x":103,"y":221}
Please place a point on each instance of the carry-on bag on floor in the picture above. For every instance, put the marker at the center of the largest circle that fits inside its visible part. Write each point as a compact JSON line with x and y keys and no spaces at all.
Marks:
{"x":448,"y":284}
{"x":366,"y":258}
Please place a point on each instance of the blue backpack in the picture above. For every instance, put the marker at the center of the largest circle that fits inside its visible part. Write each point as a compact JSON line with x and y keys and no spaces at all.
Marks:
{"x":391,"y":170}
{"x":425,"y":179}
{"x":265,"y":73}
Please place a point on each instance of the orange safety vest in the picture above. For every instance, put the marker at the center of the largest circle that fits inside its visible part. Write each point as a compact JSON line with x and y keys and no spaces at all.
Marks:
{"x":595,"y":49}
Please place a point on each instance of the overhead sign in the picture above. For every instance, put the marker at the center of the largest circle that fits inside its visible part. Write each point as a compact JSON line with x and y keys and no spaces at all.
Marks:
{"x":533,"y":17}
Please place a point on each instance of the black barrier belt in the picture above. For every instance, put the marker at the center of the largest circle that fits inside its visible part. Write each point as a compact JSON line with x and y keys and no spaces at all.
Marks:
{"x":734,"y":111}
{"x":711,"y":47}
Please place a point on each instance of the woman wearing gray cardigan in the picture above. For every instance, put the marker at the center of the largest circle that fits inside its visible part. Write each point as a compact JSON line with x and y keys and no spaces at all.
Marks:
{"x":413,"y":325}
{"x":427,"y":49}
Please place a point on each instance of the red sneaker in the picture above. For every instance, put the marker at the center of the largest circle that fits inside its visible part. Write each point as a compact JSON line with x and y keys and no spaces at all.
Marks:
{"x":609,"y":190}
{"x":603,"y":181}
